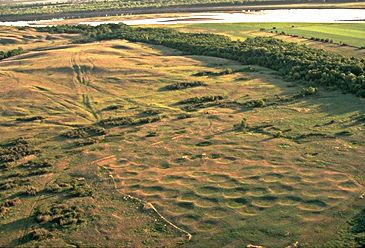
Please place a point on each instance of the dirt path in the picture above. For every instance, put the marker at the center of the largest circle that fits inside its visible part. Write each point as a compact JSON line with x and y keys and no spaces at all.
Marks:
{"x":82,"y":81}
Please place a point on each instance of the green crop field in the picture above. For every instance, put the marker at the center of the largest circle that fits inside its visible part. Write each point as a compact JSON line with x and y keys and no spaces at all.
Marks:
{"x":348,"y":33}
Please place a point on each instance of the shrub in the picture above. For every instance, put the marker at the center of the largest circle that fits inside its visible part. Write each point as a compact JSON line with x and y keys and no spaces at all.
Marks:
{"x":60,"y":215}
{"x":30,"y":191}
{"x":180,"y":86}
{"x":310,"y":91}
{"x":254,"y":103}
{"x":112,"y":107}
{"x":151,"y":112}
{"x":14,"y":150}
{"x":14,"y":183}
{"x":84,"y":132}
{"x":76,"y":187}
{"x":11,"y":203}
{"x":39,"y":234}
{"x":151,"y":134}
{"x":3,"y":211}
{"x":201,"y":99}
{"x":36,"y":164}
{"x":183,"y":116}
{"x":29,"y":119}
{"x":147,"y":120}
{"x":361,"y":93}
{"x":278,"y":134}
{"x":14,"y":52}
{"x":116,"y":121}
{"x":242,"y":126}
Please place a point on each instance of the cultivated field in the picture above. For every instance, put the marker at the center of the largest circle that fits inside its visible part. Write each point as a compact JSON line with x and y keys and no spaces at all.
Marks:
{"x":346,"y":38}
{"x":117,"y":120}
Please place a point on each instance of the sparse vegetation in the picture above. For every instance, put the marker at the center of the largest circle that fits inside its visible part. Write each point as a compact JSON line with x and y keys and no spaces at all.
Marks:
{"x":310,"y":91}
{"x":29,"y":119}
{"x":14,"y":183}
{"x":14,"y":150}
{"x":202,"y":99}
{"x":259,"y":162}
{"x":76,"y":187}
{"x":129,"y":121}
{"x":7,"y":204}
{"x":57,"y":216}
{"x":11,"y":53}
{"x":242,"y":126}
{"x":181,"y":86}
{"x":39,"y":234}
{"x":84,"y":132}
{"x":112,"y":107}
{"x":301,"y":63}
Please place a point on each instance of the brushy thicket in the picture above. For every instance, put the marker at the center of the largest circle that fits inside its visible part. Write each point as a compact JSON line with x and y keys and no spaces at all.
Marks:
{"x":291,"y":60}
{"x":14,"y":150}
{"x":182,"y":86}
{"x":17,"y":51}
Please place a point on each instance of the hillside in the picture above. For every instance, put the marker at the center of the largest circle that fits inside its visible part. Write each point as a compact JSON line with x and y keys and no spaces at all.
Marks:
{"x":110,"y":127}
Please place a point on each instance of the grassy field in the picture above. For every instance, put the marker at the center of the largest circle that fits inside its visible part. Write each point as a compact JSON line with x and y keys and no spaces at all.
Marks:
{"x":230,"y":176}
{"x":351,"y":34}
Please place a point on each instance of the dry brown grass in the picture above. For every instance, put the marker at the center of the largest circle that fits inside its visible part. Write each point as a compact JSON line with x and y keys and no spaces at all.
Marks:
{"x":199,"y":173}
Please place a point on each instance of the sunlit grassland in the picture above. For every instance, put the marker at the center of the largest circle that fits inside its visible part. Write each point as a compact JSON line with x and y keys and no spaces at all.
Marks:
{"x":351,"y":34}
{"x":294,"y":174}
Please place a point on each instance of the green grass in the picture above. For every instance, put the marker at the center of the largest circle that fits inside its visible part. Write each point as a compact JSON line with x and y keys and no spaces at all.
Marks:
{"x":350,"y":33}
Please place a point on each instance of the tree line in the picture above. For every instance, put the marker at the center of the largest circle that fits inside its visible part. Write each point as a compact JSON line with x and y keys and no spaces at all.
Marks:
{"x":293,"y":61}
{"x":10,"y":53}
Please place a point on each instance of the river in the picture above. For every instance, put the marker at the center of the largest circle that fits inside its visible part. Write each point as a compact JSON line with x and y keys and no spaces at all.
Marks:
{"x":277,"y":15}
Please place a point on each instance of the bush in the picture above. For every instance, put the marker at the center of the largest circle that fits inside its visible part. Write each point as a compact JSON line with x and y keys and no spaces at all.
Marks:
{"x":84,"y":132}
{"x":30,"y":191}
{"x":39,"y":234}
{"x":29,"y":119}
{"x":14,"y":52}
{"x":242,"y":126}
{"x":74,"y":188}
{"x":201,"y":99}
{"x":151,"y":112}
{"x":60,"y":215}
{"x":11,"y":203}
{"x":278,"y":134}
{"x":116,"y":121}
{"x":254,"y":103}
{"x":14,"y":183}
{"x":3,"y":211}
{"x":180,"y":86}
{"x":183,"y":116}
{"x":35,"y":164}
{"x":310,"y":91}
{"x":361,"y":93}
{"x":14,"y":150}
{"x":112,"y":107}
